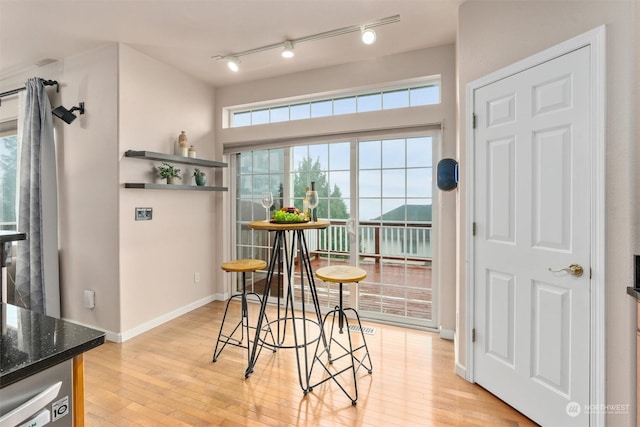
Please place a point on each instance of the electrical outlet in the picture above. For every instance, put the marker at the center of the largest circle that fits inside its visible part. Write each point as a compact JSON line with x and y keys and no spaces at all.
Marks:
{"x":144,"y":214}
{"x":196,"y":277}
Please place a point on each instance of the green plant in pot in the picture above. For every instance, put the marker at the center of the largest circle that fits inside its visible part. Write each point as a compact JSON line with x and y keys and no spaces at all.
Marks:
{"x":168,"y":172}
{"x":201,"y":178}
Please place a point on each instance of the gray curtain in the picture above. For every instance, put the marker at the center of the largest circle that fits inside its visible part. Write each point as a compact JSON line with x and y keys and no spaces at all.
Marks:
{"x":37,"y":278}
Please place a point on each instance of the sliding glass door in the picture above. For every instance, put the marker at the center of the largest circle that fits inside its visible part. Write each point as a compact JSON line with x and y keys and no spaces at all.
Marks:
{"x":395,"y":187}
{"x":377,"y":194}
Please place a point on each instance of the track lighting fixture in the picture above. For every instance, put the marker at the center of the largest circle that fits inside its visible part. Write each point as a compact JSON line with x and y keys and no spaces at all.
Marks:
{"x":67,"y":116}
{"x":368,"y":36}
{"x":232,"y":63}
{"x":288,"y":49}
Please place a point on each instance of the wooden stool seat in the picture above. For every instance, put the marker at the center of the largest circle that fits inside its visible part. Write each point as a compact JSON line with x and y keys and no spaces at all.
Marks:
{"x":243,"y":265}
{"x":355,"y":356}
{"x":341,"y":274}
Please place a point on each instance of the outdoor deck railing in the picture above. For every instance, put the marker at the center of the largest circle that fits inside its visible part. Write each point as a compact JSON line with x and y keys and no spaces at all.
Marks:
{"x":377,"y":240}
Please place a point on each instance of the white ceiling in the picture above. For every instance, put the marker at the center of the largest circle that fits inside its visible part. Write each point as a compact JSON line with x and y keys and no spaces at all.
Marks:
{"x":186,"y":34}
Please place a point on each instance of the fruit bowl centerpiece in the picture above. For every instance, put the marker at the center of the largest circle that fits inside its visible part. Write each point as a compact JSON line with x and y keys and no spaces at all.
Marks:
{"x":288,"y":215}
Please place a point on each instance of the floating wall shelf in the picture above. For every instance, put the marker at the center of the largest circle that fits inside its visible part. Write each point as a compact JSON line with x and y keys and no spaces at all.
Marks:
{"x":171,"y":158}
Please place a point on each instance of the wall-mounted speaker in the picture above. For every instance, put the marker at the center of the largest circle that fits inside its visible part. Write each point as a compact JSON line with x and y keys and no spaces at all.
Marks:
{"x":447,"y":174}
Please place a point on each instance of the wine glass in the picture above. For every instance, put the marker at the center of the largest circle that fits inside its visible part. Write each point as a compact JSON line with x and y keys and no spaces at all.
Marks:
{"x":267,"y":201}
{"x":312,"y":201}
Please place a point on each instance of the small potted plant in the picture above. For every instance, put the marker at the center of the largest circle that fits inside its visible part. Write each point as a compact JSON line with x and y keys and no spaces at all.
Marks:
{"x":168,"y":172}
{"x":200,"y":177}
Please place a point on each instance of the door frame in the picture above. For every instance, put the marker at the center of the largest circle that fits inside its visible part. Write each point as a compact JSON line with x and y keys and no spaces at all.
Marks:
{"x":595,"y":39}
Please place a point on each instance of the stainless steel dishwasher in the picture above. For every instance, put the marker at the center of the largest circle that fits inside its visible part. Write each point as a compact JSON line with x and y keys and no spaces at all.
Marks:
{"x":44,"y":398}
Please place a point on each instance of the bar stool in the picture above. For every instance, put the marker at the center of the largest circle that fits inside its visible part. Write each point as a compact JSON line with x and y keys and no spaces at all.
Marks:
{"x":242,"y":266}
{"x":342,"y":274}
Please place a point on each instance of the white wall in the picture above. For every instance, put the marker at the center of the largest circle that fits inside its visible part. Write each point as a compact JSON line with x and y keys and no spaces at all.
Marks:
{"x":158,"y":258}
{"x":88,"y":197}
{"x":373,"y":73}
{"x":142,"y":272}
{"x":494,"y":34}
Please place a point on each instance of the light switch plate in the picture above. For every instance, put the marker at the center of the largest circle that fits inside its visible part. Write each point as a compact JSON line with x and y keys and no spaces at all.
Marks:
{"x":144,"y":214}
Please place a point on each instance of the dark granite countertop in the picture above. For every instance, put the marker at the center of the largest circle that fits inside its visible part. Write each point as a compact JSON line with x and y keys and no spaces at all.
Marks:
{"x":634,"y":292}
{"x":11,"y":236}
{"x":32,"y":342}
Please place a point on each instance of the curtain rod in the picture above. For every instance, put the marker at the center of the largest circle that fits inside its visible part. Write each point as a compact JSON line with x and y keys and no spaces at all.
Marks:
{"x":14,"y":91}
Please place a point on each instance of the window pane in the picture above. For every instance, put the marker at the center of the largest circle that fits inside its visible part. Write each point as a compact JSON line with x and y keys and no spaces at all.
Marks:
{"x":276,"y":160}
{"x":300,"y":111}
{"x":342,"y":181}
{"x":369,"y":183}
{"x":420,"y":210}
{"x":369,"y":154}
{"x":371,"y":102}
{"x":241,"y":119}
{"x":339,"y":208}
{"x":246,"y":162}
{"x":339,"y":156}
{"x":280,"y":114}
{"x":419,"y":151}
{"x":427,"y":95}
{"x":395,"y":99}
{"x":261,"y":161}
{"x":344,"y":105}
{"x":321,"y":108}
{"x":260,"y":117}
{"x":8,"y":168}
{"x":419,"y":182}
{"x":299,"y":155}
{"x":394,"y":210}
{"x":319,"y":153}
{"x":260,"y":184}
{"x":245,"y":186}
{"x":369,"y":210}
{"x":393,"y":153}
{"x":393,"y":184}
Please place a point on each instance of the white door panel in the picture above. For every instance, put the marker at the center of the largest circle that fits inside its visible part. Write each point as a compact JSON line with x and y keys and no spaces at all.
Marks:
{"x":532,"y":205}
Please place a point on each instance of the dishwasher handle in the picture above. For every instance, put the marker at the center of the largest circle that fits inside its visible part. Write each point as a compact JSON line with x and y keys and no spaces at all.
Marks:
{"x":31,"y":406}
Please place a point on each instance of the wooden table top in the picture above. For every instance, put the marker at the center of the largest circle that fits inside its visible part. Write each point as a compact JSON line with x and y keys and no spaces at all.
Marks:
{"x":264,"y":225}
{"x":341,"y":274}
{"x":243,"y":265}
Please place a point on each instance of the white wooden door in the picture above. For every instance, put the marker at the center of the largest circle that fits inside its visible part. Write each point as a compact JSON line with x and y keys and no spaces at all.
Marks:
{"x":532,"y":214}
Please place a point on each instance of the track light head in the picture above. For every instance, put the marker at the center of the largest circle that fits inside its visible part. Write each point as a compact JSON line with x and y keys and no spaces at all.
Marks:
{"x":67,"y":116}
{"x":232,"y":63}
{"x":288,"y":49}
{"x":368,"y":36}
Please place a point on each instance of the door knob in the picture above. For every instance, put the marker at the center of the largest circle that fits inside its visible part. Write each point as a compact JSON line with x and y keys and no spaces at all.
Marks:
{"x":573,"y":269}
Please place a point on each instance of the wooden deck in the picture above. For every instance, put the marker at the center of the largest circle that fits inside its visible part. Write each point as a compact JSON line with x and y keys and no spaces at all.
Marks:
{"x":390,"y":288}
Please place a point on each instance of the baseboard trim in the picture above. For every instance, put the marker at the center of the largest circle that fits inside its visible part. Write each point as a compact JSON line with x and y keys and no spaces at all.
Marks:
{"x":461,"y":371}
{"x":447,"y":334}
{"x":165,"y":318}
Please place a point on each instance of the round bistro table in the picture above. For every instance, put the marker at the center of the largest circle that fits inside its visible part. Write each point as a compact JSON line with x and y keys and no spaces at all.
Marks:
{"x":284,"y":255}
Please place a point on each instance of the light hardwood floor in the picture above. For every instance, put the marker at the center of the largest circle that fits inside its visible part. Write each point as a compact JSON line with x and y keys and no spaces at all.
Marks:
{"x":165,"y":377}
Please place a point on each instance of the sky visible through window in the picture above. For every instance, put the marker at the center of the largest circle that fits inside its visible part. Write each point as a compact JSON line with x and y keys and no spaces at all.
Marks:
{"x":394,"y":175}
{"x":376,"y":101}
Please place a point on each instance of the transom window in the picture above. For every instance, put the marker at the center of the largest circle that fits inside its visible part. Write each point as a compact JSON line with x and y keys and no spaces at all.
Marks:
{"x":414,"y":96}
